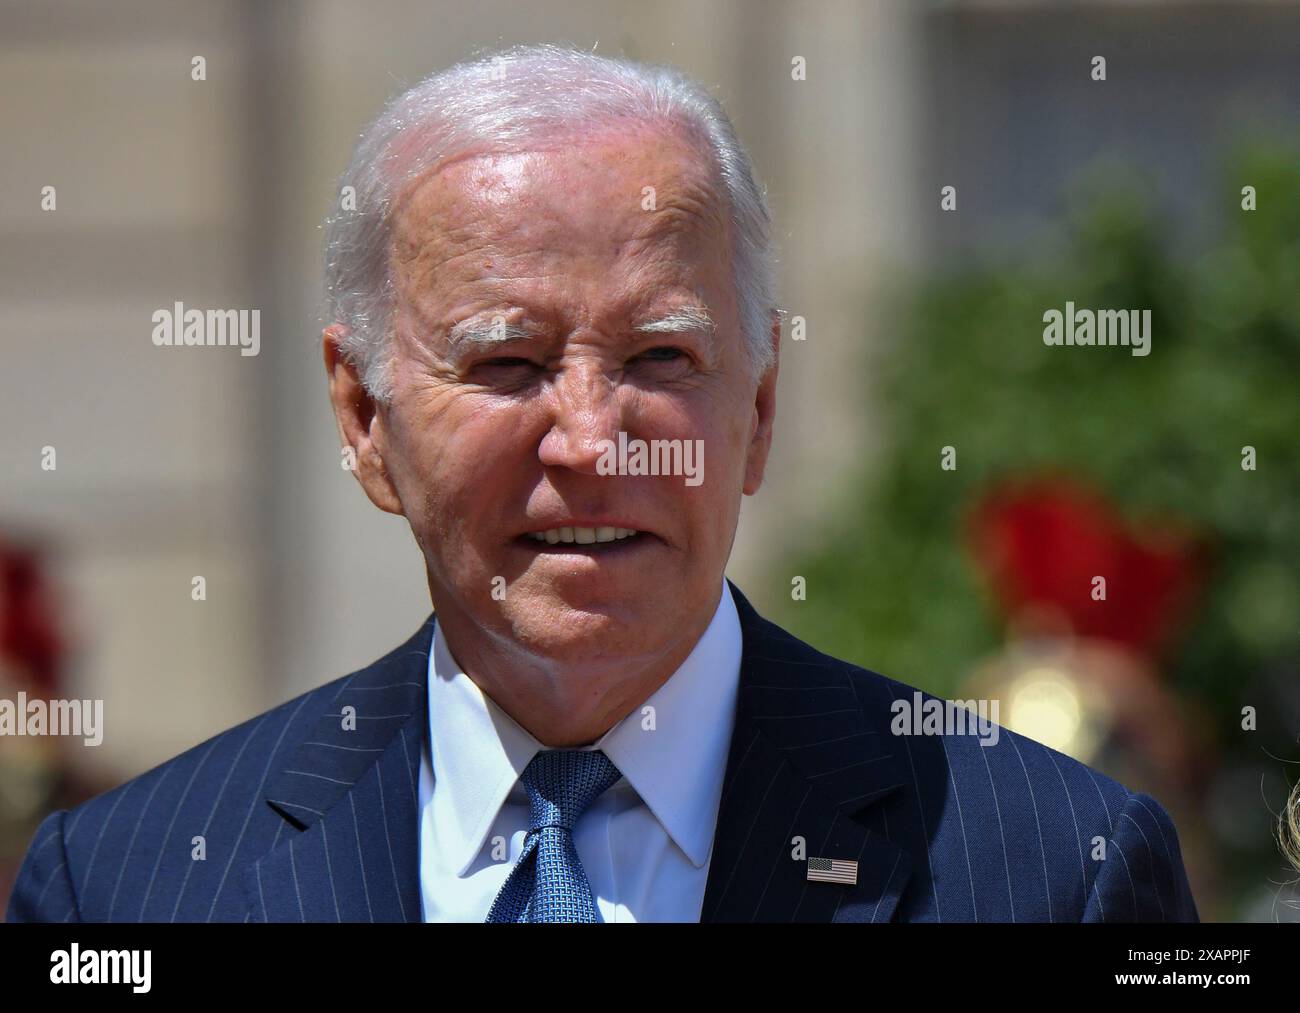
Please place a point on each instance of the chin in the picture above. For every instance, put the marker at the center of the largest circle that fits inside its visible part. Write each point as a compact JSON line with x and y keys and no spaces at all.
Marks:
{"x":560,"y":627}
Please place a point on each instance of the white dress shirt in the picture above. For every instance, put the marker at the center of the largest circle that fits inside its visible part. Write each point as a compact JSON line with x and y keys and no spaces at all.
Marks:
{"x":645,"y":843}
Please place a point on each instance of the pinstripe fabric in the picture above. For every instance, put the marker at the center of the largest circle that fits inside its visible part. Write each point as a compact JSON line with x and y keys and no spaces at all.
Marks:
{"x":308,"y":813}
{"x":302,"y":818}
{"x":942,"y":828}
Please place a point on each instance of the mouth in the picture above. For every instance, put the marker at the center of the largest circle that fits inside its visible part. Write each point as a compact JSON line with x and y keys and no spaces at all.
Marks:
{"x":608,"y":540}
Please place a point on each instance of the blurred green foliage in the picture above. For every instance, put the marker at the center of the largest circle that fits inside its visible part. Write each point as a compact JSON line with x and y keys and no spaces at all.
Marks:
{"x":894,"y":588}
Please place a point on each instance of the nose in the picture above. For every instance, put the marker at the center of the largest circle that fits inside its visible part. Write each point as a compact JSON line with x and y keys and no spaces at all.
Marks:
{"x":585,"y":411}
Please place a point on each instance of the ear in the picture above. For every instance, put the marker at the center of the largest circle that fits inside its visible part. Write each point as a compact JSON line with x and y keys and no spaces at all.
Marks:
{"x":760,"y":433}
{"x":361,"y":421}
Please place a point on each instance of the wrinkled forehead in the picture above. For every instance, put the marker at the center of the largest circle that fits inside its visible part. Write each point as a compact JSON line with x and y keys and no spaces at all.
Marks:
{"x":602,"y":192}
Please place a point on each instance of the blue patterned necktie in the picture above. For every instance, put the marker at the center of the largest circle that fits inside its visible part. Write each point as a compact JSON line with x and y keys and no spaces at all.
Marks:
{"x":548,"y":883}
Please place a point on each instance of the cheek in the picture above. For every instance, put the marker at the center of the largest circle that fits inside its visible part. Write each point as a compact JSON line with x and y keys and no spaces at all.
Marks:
{"x":726,"y":432}
{"x":441,"y":425}
{"x":466,"y":461}
{"x":424,"y":463}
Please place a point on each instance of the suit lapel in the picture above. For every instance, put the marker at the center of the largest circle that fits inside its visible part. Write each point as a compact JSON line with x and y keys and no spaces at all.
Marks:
{"x":805,"y":762}
{"x":349,"y":847}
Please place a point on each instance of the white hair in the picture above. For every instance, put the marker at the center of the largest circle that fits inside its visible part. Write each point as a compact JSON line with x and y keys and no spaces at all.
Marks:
{"x":516,"y":100}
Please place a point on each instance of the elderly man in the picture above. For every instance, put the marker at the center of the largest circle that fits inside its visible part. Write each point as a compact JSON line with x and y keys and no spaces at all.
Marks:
{"x":540,"y":257}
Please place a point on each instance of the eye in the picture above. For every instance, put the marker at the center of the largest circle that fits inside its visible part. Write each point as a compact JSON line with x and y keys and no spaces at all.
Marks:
{"x":662,"y":353}
{"x":505,"y":371}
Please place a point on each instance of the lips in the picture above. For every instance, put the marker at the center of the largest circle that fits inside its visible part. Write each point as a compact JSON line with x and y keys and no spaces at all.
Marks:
{"x":585,"y":535}
{"x":578,"y":535}
{"x":589,"y":524}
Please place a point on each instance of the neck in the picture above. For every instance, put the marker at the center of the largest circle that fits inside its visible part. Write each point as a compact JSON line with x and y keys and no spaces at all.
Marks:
{"x":569,"y":702}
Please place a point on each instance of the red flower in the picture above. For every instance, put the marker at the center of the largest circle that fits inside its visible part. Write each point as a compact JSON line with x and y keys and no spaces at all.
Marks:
{"x":1045,"y":543}
{"x":29,"y":638}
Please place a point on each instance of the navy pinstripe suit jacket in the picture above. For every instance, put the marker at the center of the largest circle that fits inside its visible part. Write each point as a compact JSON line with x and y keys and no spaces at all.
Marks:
{"x":303,"y":820}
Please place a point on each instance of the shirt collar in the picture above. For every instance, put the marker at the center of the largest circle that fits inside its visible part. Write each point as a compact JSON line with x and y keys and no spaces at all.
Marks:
{"x":672,"y":749}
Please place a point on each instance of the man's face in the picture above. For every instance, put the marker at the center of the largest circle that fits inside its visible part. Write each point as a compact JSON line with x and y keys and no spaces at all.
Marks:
{"x":486,"y":442}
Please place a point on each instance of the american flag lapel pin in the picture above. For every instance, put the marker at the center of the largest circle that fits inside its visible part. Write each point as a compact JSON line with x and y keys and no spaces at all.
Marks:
{"x":832,"y":870}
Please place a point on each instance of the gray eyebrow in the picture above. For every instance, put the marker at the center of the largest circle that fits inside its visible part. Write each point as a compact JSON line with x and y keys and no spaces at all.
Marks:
{"x":474,"y":335}
{"x":480,"y":335}
{"x":687,"y":318}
